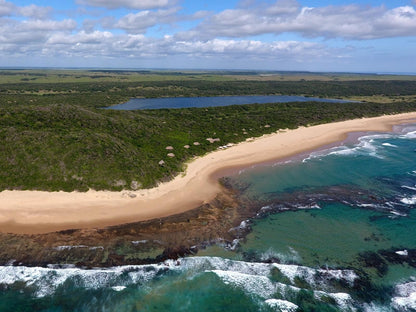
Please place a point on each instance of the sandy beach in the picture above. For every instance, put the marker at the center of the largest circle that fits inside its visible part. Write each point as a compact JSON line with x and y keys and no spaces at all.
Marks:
{"x":40,"y":212}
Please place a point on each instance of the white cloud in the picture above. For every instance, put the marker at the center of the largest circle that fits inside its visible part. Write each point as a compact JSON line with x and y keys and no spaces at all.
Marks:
{"x":31,"y":11}
{"x":130,"y":4}
{"x":244,"y":48}
{"x":63,"y":43}
{"x":141,"y":21}
{"x":6,"y":8}
{"x":46,"y":26}
{"x":96,"y":37}
{"x":284,"y":16}
{"x":34,"y":11}
{"x":27,"y":38}
{"x":223,"y":38}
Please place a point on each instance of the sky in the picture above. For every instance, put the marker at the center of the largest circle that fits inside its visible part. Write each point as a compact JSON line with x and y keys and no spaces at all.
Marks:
{"x":299,"y":35}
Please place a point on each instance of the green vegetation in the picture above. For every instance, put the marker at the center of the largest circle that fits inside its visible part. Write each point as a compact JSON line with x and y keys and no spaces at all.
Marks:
{"x":54,"y":136}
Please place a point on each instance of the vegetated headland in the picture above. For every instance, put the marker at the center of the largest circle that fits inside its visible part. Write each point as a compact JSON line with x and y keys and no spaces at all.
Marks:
{"x":55,"y":136}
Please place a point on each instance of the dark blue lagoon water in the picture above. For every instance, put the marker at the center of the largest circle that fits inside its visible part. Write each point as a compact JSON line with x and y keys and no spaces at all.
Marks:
{"x":183,"y":102}
{"x":336,"y":231}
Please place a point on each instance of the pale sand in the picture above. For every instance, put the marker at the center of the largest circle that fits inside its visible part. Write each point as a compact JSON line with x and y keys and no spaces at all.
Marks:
{"x":37,"y":212}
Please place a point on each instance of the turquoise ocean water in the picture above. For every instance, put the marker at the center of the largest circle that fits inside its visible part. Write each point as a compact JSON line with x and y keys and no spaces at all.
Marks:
{"x":336,"y":231}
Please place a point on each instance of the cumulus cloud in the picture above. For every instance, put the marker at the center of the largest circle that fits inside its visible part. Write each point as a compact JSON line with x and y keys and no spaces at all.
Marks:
{"x":284,"y":16}
{"x":65,"y":43}
{"x":46,"y":26}
{"x":34,"y":11}
{"x":129,"y":4}
{"x":141,"y":21}
{"x":6,"y":8}
{"x":29,"y":37}
{"x":247,"y":48}
{"x":226,"y":36}
{"x":31,"y":11}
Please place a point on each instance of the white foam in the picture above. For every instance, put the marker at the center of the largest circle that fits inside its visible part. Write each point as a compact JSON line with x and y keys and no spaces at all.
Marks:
{"x":265,"y":208}
{"x":368,"y":205}
{"x":405,"y":303}
{"x":405,"y":299}
{"x":365,"y":146}
{"x":311,"y":277}
{"x":118,"y":288}
{"x":243,"y":225}
{"x":253,"y":284}
{"x":389,"y":145}
{"x":404,"y":253}
{"x":409,"y":187}
{"x":282,"y":305}
{"x":46,"y":280}
{"x":409,"y":200}
{"x":262,"y":286}
{"x":311,"y":206}
{"x":400,"y":214}
{"x":405,"y":289}
{"x":234,"y":244}
{"x":343,"y":300}
{"x":343,"y":151}
{"x":293,"y":271}
{"x":410,"y":135}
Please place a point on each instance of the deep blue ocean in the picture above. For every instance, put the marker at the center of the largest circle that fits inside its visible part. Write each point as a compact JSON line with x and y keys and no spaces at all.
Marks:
{"x":336,"y":231}
{"x":183,"y":102}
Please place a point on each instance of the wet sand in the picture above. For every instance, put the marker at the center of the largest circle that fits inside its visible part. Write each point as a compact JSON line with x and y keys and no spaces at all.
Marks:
{"x":40,"y":212}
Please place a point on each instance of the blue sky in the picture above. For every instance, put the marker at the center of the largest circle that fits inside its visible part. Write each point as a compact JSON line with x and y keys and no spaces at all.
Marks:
{"x":314,"y":35}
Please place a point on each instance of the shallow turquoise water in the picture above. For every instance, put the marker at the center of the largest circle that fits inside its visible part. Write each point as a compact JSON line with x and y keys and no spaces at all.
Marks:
{"x":336,"y":232}
{"x":331,"y":236}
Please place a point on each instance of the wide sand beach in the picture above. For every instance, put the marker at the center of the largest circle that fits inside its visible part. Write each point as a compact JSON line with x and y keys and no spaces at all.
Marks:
{"x":39,"y":212}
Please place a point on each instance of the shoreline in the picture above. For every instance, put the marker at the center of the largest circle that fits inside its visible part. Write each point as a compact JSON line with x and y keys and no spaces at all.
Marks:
{"x":34,"y":212}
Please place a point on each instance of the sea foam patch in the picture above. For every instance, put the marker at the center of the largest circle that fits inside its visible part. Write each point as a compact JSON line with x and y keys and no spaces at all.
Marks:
{"x":46,"y":281}
{"x":316,"y":277}
{"x":252,"y":284}
{"x":281,"y":305}
{"x":409,"y":200}
{"x":410,"y":135}
{"x":405,"y":297}
{"x":366,"y":146}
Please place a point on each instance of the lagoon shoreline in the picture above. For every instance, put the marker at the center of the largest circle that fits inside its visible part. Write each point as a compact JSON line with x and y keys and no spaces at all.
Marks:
{"x":35,"y":212}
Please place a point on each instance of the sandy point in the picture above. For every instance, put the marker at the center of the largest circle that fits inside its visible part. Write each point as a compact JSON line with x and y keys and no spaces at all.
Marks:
{"x":38,"y":211}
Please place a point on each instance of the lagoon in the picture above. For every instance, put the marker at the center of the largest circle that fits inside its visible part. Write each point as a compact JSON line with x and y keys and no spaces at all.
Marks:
{"x":185,"y":102}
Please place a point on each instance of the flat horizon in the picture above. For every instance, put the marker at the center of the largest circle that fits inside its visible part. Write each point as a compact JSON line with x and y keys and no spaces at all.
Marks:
{"x":237,"y":70}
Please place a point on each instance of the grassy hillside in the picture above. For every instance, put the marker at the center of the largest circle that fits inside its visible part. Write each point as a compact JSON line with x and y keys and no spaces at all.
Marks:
{"x":55,"y":136}
{"x":70,"y":147}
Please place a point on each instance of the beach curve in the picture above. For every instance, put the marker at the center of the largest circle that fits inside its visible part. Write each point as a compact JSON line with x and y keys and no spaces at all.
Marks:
{"x":33,"y":212}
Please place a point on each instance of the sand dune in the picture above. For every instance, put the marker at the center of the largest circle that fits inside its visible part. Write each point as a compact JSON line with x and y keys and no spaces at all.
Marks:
{"x":37,"y":212}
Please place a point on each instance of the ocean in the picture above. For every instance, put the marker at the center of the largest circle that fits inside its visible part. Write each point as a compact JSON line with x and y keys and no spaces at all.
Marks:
{"x":335,"y":231}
